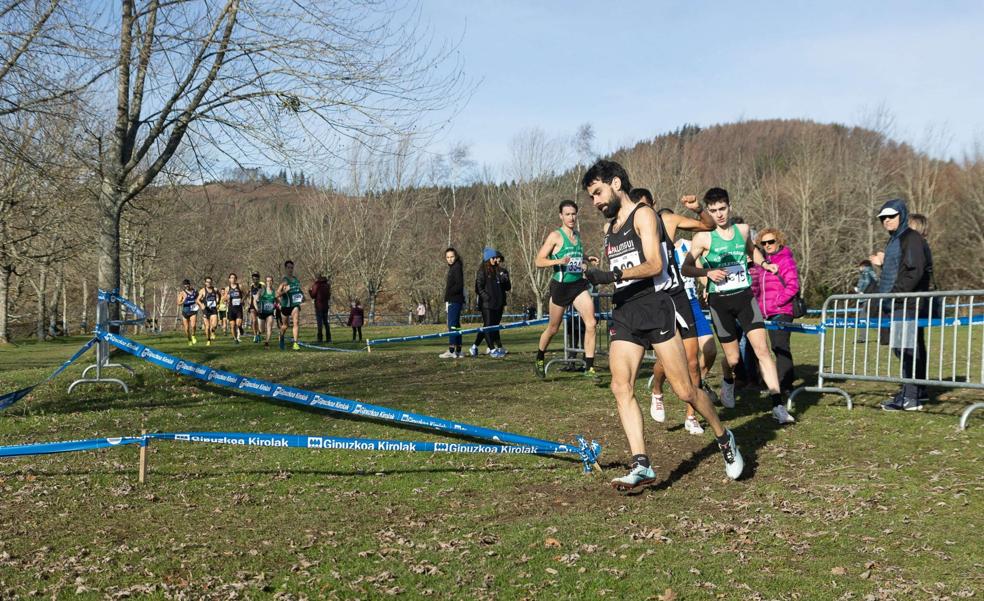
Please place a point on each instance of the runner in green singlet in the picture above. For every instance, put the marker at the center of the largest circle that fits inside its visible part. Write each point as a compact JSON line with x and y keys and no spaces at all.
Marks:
{"x":265,"y":299}
{"x":562,"y":250}
{"x":291,"y":298}
{"x":725,"y":253}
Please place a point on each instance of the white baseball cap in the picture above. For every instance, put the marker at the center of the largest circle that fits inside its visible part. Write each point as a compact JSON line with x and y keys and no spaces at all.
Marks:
{"x":888,"y":212}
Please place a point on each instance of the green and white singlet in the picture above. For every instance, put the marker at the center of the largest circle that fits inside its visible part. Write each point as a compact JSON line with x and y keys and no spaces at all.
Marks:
{"x":730,"y":256}
{"x":294,"y":296}
{"x":573,"y":270}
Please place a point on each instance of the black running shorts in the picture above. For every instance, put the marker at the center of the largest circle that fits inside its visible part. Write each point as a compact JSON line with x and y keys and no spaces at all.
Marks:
{"x":563,"y":295}
{"x":685,"y":314}
{"x":235,"y":312}
{"x":211,"y":312}
{"x":264,"y":316}
{"x":188,"y":314}
{"x":729,"y":311}
{"x":644,"y":321}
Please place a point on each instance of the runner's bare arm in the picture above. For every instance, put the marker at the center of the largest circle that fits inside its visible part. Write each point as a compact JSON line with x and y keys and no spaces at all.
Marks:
{"x":645,"y":227}
{"x":698,"y":246}
{"x":549,"y":246}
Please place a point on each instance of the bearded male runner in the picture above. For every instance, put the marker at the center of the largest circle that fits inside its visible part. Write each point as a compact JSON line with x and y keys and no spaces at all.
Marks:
{"x":643,"y":317}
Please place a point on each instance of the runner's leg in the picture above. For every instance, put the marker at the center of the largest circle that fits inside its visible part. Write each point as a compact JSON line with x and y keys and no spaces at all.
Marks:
{"x":759,"y":340}
{"x":584,"y":305}
{"x":556,"y":315}
{"x":673,"y":356}
{"x":623,"y":361}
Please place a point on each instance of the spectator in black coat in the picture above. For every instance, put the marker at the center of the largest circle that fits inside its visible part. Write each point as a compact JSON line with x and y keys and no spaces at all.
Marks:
{"x":907,"y":266}
{"x":491,"y":285}
{"x":454,"y":300}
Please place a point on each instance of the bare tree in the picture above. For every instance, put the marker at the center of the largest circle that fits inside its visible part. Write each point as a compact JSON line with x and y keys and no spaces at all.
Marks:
{"x":282,"y":78}
{"x":529,"y":203}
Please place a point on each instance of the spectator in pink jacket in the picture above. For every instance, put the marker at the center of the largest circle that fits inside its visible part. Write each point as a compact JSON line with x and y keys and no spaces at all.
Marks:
{"x":775,"y":293}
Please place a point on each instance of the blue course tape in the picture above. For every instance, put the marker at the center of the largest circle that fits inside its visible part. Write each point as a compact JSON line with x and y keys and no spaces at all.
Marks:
{"x":886,"y":322}
{"x":68,"y":446}
{"x":10,"y":398}
{"x":349,"y":444}
{"x":327,"y":348}
{"x":113,"y":296}
{"x":301,"y":441}
{"x":504,"y":326}
{"x":587,"y":451}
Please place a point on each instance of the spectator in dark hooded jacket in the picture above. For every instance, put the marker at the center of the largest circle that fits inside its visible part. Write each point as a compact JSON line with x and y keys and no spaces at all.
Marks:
{"x":320,"y":291}
{"x":907,"y":266}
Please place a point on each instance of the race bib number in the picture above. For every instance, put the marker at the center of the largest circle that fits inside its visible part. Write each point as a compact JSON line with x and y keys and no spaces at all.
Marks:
{"x":193,"y":308}
{"x":267,"y":307}
{"x":297,"y":298}
{"x":737,"y":278}
{"x":210,"y":304}
{"x":236,"y":302}
{"x":623,"y":262}
{"x":575,"y":265}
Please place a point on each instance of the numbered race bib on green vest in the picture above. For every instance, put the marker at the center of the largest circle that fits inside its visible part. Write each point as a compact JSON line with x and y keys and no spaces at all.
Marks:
{"x":575,"y":265}
{"x":737,"y":278}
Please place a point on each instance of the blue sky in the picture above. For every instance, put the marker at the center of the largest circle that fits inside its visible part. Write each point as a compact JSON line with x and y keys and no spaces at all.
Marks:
{"x":636,"y":69}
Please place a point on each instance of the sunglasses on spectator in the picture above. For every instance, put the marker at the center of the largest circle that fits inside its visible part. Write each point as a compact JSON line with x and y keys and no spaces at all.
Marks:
{"x":886,"y":217}
{"x":768,"y":242}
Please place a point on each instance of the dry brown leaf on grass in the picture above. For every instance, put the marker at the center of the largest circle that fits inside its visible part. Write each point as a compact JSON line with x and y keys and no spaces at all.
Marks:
{"x":668,"y":595}
{"x":551,"y":543}
{"x":838,"y":571}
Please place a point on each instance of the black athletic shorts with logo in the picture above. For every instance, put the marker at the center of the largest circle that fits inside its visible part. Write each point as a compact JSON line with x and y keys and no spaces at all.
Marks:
{"x":236,"y":312}
{"x":685,"y":314}
{"x":645,"y":321}
{"x":562,"y":294}
{"x":731,"y":310}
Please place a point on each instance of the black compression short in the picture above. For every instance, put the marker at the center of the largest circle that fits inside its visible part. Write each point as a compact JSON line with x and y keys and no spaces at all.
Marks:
{"x":685,"y":314}
{"x":729,"y":311}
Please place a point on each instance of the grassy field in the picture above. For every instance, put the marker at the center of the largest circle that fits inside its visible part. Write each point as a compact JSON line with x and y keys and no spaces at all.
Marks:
{"x":844,"y":504}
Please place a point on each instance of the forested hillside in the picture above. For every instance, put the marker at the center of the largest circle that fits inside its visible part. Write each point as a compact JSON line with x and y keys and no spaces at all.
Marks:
{"x":382,"y":241}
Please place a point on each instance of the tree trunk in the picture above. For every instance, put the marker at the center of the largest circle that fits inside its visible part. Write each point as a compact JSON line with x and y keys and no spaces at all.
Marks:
{"x":53,"y":306}
{"x":42,"y":305}
{"x":64,"y":295}
{"x":85,"y":305}
{"x":108,"y":252}
{"x":4,"y":297}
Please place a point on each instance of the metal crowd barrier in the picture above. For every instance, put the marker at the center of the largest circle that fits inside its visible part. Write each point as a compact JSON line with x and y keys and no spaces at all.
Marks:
{"x":574,"y":330}
{"x":922,"y":338}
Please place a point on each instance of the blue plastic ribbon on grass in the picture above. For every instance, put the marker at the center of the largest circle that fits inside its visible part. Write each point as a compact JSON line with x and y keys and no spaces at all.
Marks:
{"x":503,"y":326}
{"x":10,"y":398}
{"x":337,"y":404}
{"x":68,"y":446}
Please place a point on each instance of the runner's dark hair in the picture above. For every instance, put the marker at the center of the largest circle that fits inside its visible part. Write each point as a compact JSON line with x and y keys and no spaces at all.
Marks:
{"x":642,"y":194}
{"x":457,"y":255}
{"x":606,"y":171}
{"x":716,"y":195}
{"x":567,"y":203}
{"x":288,"y":261}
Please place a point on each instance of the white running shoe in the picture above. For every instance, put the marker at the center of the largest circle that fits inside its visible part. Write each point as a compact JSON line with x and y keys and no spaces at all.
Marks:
{"x":488,"y":351}
{"x":656,"y":409}
{"x":638,"y":476}
{"x":693,"y":426}
{"x":782,"y":416}
{"x":448,"y":355}
{"x":727,"y":395}
{"x":734,"y":464}
{"x":473,"y":351}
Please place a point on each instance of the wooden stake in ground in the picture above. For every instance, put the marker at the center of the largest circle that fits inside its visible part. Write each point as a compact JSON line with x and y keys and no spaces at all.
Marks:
{"x":142,"y":473}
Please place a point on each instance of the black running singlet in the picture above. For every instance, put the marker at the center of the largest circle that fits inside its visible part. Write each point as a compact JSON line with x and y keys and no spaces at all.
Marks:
{"x":211,"y":299}
{"x":624,"y":250}
{"x":235,"y":296}
{"x":675,"y":282}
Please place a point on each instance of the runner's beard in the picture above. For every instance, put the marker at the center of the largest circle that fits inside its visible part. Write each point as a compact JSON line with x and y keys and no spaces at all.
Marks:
{"x":612,"y":208}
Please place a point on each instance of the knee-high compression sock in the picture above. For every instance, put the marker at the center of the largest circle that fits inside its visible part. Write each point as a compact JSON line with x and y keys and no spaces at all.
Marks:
{"x":588,"y":362}
{"x":540,"y":355}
